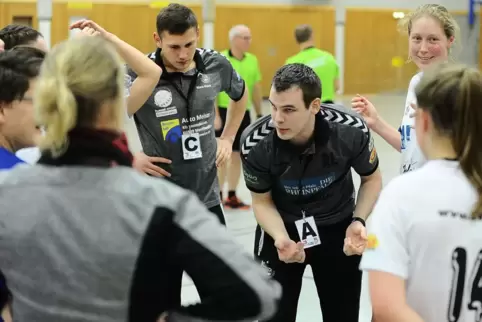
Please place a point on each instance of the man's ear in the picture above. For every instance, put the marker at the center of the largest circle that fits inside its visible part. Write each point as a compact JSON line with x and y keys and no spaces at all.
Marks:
{"x":157,"y":39}
{"x":315,"y":106}
{"x":3,"y":109}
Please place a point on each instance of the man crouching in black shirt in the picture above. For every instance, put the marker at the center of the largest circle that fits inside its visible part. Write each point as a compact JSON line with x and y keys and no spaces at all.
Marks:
{"x":297,"y":164}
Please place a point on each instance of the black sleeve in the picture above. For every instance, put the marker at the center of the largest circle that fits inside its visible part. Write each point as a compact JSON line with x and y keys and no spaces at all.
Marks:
{"x":238,"y":288}
{"x":129,"y":78}
{"x":231,"y":82}
{"x":5,"y":295}
{"x":129,"y":72}
{"x":256,"y":169}
{"x":365,"y":157}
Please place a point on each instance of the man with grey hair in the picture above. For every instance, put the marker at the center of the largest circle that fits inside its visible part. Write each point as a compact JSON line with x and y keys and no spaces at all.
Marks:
{"x":246,"y":65}
{"x":322,"y":62}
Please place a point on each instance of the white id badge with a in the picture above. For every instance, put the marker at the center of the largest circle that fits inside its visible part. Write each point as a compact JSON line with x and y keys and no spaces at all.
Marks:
{"x":191,"y":146}
{"x":308,"y":232}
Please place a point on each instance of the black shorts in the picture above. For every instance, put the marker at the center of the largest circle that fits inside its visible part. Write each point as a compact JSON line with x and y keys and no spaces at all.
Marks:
{"x":177,"y":272}
{"x":336,"y":276}
{"x":244,"y":124}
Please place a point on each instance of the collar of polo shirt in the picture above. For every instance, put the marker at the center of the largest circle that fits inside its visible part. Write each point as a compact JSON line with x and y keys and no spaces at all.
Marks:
{"x":319,"y":139}
{"x":197,"y":59}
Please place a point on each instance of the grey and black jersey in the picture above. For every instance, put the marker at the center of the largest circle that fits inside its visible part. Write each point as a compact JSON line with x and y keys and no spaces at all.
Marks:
{"x":98,"y":245}
{"x":316,"y":179}
{"x":167,"y":114}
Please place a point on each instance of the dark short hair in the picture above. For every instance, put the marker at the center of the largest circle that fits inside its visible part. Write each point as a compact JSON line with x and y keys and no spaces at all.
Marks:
{"x":301,"y":76}
{"x":303,"y":33}
{"x":17,"y":67}
{"x":176,"y":19}
{"x":14,"y":35}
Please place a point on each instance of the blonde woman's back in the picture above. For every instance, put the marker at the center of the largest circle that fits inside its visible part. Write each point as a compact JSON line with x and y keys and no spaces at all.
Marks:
{"x":97,"y":245}
{"x":71,"y":239}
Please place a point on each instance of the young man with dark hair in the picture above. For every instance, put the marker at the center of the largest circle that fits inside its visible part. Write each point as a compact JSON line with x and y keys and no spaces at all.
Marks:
{"x":20,"y":35}
{"x":176,"y":124}
{"x":322,"y":62}
{"x":19,"y":69}
{"x":297,"y":164}
{"x":14,"y":35}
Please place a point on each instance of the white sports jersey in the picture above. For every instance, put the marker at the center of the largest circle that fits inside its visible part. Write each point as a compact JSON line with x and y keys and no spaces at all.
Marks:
{"x":422,"y":231}
{"x":412,"y":157}
{"x":29,"y":155}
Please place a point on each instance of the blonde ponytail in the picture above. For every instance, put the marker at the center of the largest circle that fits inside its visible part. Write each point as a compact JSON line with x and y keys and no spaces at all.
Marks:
{"x":78,"y":76}
{"x":59,"y":114}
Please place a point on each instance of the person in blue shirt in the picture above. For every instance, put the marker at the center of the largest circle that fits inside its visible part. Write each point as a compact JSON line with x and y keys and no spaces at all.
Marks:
{"x":21,"y":35}
{"x":19,"y":68}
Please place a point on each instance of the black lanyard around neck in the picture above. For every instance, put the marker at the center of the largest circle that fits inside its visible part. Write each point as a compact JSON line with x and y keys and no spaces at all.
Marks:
{"x":169,"y":78}
{"x":187,"y":98}
{"x":304,"y":162}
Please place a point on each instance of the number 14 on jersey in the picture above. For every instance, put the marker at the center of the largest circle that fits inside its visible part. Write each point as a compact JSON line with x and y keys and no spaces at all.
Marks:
{"x":459,"y":289}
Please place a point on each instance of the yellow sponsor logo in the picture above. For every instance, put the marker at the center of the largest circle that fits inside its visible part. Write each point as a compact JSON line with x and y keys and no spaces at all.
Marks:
{"x":372,"y":241}
{"x":373,"y":155}
{"x":167,"y":126}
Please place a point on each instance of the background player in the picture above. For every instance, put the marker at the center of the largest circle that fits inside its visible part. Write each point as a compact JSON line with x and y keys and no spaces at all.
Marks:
{"x":424,"y":255}
{"x":432,"y":32}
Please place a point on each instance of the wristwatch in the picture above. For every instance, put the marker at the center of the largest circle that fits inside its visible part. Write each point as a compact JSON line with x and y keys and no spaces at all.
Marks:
{"x":360,"y":220}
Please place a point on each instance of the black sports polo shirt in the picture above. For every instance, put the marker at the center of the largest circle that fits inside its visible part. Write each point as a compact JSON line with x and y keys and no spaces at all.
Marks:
{"x":183,"y":100}
{"x":322,"y":168}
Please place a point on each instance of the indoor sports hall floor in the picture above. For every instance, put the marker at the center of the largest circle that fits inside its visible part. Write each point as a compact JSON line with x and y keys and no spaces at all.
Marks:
{"x":242,"y":223}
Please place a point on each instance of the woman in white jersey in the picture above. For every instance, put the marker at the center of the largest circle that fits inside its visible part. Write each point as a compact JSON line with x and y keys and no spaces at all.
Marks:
{"x":431,"y":31}
{"x":424,"y":258}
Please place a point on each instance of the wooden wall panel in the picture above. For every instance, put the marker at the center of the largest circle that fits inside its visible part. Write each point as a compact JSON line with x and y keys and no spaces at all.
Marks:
{"x":22,"y":9}
{"x":371,"y":41}
{"x":61,"y":14}
{"x":272,"y":28}
{"x":141,"y":36}
{"x":371,"y":35}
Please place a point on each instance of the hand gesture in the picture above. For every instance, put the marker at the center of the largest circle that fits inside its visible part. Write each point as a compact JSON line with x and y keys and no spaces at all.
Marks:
{"x":356,"y":239}
{"x":88,"y":28}
{"x":163,"y":318}
{"x":290,"y":251}
{"x":145,"y":164}
{"x":223,"y":152}
{"x":366,"y":109}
